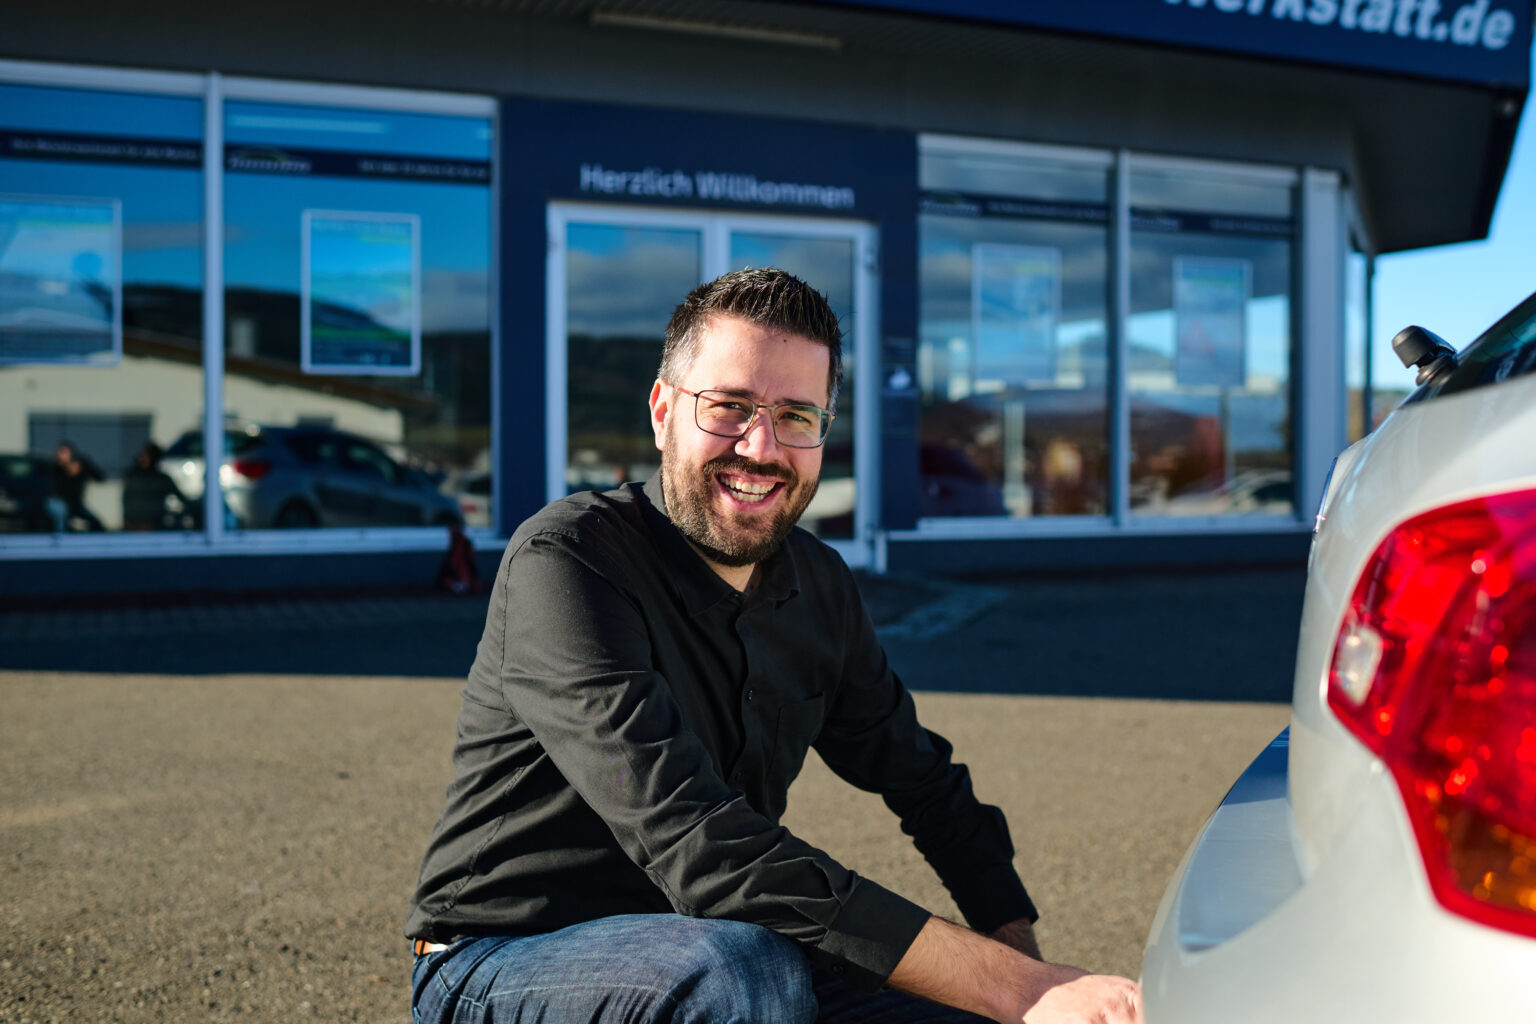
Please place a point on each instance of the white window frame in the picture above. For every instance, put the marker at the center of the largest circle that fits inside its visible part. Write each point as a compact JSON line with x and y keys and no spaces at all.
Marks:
{"x":214,"y":88}
{"x":715,"y":228}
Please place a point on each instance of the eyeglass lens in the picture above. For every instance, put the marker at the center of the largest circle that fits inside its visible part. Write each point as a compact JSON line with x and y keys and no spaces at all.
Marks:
{"x":798,"y":426}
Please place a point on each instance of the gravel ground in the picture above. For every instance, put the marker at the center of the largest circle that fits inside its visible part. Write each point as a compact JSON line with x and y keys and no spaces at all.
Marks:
{"x":213,"y":810}
{"x":190,"y":849}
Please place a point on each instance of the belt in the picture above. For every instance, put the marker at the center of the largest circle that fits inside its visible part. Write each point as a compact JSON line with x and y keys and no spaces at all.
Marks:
{"x":421,"y":947}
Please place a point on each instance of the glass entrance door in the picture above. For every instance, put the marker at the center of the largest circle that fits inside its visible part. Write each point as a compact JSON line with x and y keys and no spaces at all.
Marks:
{"x":622,"y":282}
{"x":615,"y":276}
{"x":829,"y":263}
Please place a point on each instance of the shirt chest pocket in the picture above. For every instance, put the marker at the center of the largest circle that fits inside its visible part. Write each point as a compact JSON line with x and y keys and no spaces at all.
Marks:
{"x":798,"y":725}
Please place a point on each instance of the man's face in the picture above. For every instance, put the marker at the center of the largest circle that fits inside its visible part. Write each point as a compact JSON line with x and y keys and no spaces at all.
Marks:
{"x":736,"y":499}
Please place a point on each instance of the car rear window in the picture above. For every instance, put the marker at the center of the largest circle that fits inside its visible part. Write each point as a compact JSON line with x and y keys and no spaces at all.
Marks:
{"x":1503,"y":352}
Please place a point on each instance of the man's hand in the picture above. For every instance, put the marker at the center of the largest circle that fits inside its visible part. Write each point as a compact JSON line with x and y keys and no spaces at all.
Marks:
{"x":1019,"y":935}
{"x":1086,"y":999}
{"x":961,"y":968}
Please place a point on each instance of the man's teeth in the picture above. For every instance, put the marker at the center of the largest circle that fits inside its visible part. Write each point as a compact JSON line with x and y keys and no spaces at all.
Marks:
{"x":747,"y":491}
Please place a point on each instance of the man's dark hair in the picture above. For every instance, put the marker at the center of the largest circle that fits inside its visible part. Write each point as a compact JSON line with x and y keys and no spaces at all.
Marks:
{"x":768,"y":297}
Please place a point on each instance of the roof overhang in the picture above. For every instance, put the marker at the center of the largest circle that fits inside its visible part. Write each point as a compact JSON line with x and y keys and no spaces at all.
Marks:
{"x":1432,"y":121}
{"x":1476,"y":42}
{"x":1434,"y":90}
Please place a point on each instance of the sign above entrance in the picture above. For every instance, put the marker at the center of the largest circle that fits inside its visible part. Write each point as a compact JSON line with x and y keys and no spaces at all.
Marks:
{"x":1483,"y":42}
{"x":705,"y":160}
{"x":713,"y":186}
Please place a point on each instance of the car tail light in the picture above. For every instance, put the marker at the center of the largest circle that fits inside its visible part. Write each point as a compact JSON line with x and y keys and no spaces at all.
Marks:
{"x":1434,"y":670}
{"x":251,"y":469}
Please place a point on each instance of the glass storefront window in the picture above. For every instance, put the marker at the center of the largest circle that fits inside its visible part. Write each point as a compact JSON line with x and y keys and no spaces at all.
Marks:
{"x":357,"y":387}
{"x":1209,"y":342}
{"x":623,"y":281}
{"x":101,"y":269}
{"x":1013,"y":356}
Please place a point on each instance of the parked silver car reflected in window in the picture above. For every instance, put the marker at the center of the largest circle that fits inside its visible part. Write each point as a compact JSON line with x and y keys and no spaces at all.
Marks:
{"x":311,"y":477}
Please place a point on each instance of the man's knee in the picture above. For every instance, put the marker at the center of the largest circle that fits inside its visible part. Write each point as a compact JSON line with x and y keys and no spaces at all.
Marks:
{"x":735,"y":973}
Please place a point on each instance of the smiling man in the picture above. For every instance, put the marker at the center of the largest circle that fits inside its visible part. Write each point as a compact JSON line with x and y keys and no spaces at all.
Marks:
{"x":657,"y":662}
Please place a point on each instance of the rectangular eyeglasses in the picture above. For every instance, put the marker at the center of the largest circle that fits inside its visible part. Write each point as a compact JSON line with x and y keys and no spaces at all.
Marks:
{"x":724,"y":414}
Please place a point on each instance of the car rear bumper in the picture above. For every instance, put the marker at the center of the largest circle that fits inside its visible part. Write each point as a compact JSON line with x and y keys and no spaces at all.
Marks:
{"x":1242,"y":935}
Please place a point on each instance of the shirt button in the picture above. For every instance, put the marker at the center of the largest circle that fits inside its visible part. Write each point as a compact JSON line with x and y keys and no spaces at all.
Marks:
{"x":750,"y":695}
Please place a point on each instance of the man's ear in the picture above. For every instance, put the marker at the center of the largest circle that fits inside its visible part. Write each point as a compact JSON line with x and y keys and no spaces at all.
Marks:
{"x":661,"y":408}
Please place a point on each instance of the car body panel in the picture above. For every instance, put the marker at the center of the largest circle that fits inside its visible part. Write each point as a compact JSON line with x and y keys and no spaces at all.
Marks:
{"x":1361,"y":940}
{"x":1419,"y":460}
{"x":1306,"y":896}
{"x":1245,"y":855}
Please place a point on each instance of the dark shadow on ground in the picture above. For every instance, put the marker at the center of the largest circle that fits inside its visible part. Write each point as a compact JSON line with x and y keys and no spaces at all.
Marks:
{"x":1207,"y":635}
{"x":1199,"y":635}
{"x":393,"y":632}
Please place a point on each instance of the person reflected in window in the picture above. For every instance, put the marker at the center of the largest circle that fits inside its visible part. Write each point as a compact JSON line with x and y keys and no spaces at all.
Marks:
{"x":72,"y":471}
{"x":148,"y":492}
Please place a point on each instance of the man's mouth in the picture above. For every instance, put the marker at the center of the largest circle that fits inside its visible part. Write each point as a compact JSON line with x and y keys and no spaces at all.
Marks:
{"x":749,"y":492}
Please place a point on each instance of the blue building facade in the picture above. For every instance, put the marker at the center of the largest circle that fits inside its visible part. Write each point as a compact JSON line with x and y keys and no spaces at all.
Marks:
{"x":1103,"y":267}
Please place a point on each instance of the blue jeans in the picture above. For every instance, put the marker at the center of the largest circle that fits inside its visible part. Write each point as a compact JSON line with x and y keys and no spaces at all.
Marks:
{"x":648,"y":969}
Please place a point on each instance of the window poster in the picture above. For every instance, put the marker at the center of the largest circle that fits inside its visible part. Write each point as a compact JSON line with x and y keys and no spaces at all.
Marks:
{"x":361,"y":301}
{"x":61,"y":289}
{"x":1210,"y":302}
{"x":1015,"y":303}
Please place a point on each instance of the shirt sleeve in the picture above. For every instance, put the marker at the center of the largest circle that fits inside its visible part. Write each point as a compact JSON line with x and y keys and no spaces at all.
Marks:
{"x":873,"y":740}
{"x":576,"y":669}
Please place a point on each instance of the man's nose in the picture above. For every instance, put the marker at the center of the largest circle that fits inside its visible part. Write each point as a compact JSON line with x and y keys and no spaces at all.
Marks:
{"x":759,"y":443}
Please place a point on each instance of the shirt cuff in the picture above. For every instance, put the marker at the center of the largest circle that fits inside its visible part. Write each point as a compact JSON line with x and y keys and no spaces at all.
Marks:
{"x":991,"y":897}
{"x":870,"y":935}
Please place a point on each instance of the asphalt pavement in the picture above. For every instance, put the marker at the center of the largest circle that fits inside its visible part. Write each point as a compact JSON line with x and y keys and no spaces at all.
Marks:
{"x":213,"y":809}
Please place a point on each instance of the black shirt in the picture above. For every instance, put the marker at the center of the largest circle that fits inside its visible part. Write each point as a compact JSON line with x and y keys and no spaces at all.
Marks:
{"x":630,"y":729}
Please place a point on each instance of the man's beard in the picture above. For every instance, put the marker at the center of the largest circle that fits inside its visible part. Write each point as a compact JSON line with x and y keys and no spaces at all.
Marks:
{"x":690,"y":495}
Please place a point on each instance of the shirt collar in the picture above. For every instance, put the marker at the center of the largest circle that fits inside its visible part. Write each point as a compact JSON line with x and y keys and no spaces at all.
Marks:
{"x":700,"y":587}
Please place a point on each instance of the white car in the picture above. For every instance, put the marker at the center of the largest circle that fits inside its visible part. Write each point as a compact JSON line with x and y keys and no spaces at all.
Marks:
{"x":1378,"y":861}
{"x":472,"y":490}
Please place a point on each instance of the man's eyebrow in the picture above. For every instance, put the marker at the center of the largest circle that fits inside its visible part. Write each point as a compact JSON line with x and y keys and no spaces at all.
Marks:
{"x":757,"y":397}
